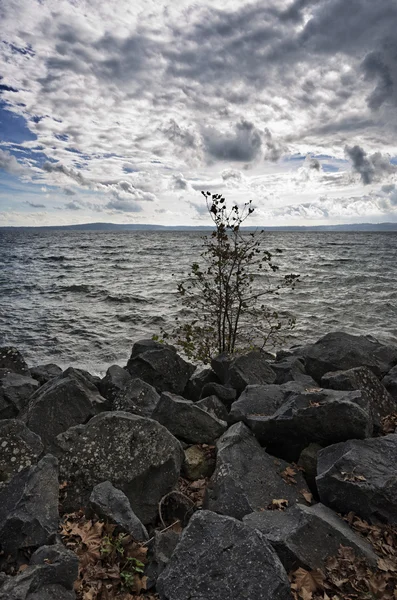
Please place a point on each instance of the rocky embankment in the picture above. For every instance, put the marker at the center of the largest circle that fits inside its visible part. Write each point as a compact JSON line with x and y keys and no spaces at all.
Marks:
{"x":261,"y":477}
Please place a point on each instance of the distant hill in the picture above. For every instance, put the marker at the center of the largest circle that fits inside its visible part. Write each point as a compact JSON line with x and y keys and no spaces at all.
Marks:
{"x":149,"y":227}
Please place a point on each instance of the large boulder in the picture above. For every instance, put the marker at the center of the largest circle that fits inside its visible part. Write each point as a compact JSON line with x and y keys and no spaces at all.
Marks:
{"x":306,"y":536}
{"x":111,"y":504}
{"x":29,"y":507}
{"x":262,"y":400}
{"x":360,"y":476}
{"x":246,"y":369}
{"x":184,"y":419}
{"x":205,"y":563}
{"x":136,"y":397}
{"x":227,"y":395}
{"x":339,"y":351}
{"x":50,"y":576}
{"x":214,"y":406}
{"x":390,"y":382}
{"x":196,"y":383}
{"x":159,"y":554}
{"x":15,"y":391}
{"x":159,"y":365}
{"x":61,"y":403}
{"x":137,"y":455}
{"x":321,"y":416}
{"x":247,"y":479}
{"x":11,"y":360}
{"x":292,"y":368}
{"x":44,"y":373}
{"x":361,"y":378}
{"x":115,"y":380}
{"x":19,"y":448}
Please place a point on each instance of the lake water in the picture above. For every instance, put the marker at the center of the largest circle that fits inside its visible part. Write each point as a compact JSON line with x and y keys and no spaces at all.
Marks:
{"x":82,"y":298}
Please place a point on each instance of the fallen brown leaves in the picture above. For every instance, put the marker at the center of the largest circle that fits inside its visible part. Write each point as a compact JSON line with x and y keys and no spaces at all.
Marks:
{"x":110,"y":565}
{"x":389,"y":424}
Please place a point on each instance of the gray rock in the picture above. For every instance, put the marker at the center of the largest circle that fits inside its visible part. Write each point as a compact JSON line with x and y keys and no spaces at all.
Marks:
{"x":160,"y":366}
{"x":111,"y":504}
{"x":246,"y":478}
{"x":115,"y":380}
{"x":308,"y":462}
{"x":214,"y":406}
{"x":205,"y":563}
{"x":292,"y":368}
{"x":19,"y":448}
{"x":159,"y":554}
{"x":184,"y":419}
{"x":50,"y":576}
{"x":227,"y":395}
{"x":390,"y":382}
{"x":323,"y":417}
{"x":29,"y":507}
{"x":360,"y":476}
{"x":44,"y":373}
{"x":339,"y":351}
{"x":306,"y":536}
{"x":61,"y":403}
{"x":137,"y":397}
{"x":198,"y":463}
{"x":11,"y":360}
{"x":361,"y":378}
{"x":196,"y":383}
{"x":246,"y":369}
{"x":15,"y":391}
{"x":137,"y":455}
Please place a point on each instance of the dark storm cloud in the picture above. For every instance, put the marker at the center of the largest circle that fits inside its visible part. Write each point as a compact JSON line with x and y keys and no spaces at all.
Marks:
{"x":315,"y":164}
{"x":273,"y":149}
{"x":122,"y":205}
{"x":69,"y":192}
{"x":34,"y":205}
{"x":72,"y":206}
{"x":59,"y":168}
{"x":370,"y":167}
{"x":241,"y":145}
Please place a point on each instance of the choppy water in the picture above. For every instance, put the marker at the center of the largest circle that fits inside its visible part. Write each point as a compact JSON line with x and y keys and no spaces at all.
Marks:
{"x":83,"y":298}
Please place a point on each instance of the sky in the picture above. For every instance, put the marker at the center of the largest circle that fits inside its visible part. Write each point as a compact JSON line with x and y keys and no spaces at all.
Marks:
{"x":122,"y":112}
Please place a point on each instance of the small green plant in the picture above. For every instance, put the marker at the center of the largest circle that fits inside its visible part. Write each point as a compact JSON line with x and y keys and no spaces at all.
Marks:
{"x":131,"y":568}
{"x":221,"y":292}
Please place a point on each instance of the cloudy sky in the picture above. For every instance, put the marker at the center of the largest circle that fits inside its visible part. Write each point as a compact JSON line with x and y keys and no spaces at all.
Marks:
{"x":123,"y":111}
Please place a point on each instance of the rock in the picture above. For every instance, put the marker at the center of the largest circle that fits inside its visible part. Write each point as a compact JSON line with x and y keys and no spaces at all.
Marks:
{"x":137,"y":455}
{"x":50,"y":576}
{"x":19,"y":448}
{"x":44,"y":373}
{"x":159,"y":554}
{"x":246,"y":478}
{"x":359,"y":476}
{"x":29,"y":507}
{"x":340,"y":351}
{"x":115,"y":380}
{"x":61,"y":403}
{"x":390,"y":382}
{"x":92,"y":381}
{"x":196,"y":383}
{"x":184,"y":419}
{"x":308,"y":462}
{"x":292,"y":368}
{"x":199,"y":463}
{"x":243,"y":370}
{"x":226,"y":395}
{"x":160,"y":366}
{"x":263,"y":400}
{"x":205,"y":563}
{"x":137,"y":397}
{"x":324,"y":417}
{"x":111,"y":504}
{"x":361,"y":378}
{"x":306,"y":536}
{"x":214,"y":406}
{"x":12,"y":361}
{"x":15,"y":391}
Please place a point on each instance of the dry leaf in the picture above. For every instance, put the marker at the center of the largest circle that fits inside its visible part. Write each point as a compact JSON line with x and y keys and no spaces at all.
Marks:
{"x":308,"y":496}
{"x":308,"y":580}
{"x":280,"y":504}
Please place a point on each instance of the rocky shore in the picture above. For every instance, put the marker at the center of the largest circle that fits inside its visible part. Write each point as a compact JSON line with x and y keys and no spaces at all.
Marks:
{"x":261,"y":478}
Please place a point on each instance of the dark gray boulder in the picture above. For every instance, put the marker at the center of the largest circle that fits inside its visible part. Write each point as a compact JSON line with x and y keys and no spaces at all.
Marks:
{"x":159,"y":554}
{"x":111,"y":504}
{"x":360,"y":476}
{"x":62,"y":403}
{"x":246,"y":369}
{"x":247,"y":479}
{"x":339,"y":351}
{"x":361,"y":378}
{"x":50,"y":576}
{"x":137,"y":397}
{"x":390,"y":382}
{"x":115,"y":380}
{"x":15,"y":391}
{"x":160,"y":366}
{"x":44,"y":373}
{"x":137,"y":455}
{"x":324,"y":417}
{"x":196,"y":383}
{"x":214,"y":406}
{"x":11,"y":360}
{"x":19,"y":448}
{"x":204,"y":565}
{"x":227,"y":395}
{"x":184,"y":419}
{"x":306,"y":536}
{"x":292,"y":368}
{"x":89,"y":379}
{"x":29,"y":507}
{"x":308,"y":462}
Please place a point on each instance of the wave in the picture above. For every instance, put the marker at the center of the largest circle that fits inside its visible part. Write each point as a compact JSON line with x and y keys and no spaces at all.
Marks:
{"x":76,"y":287}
